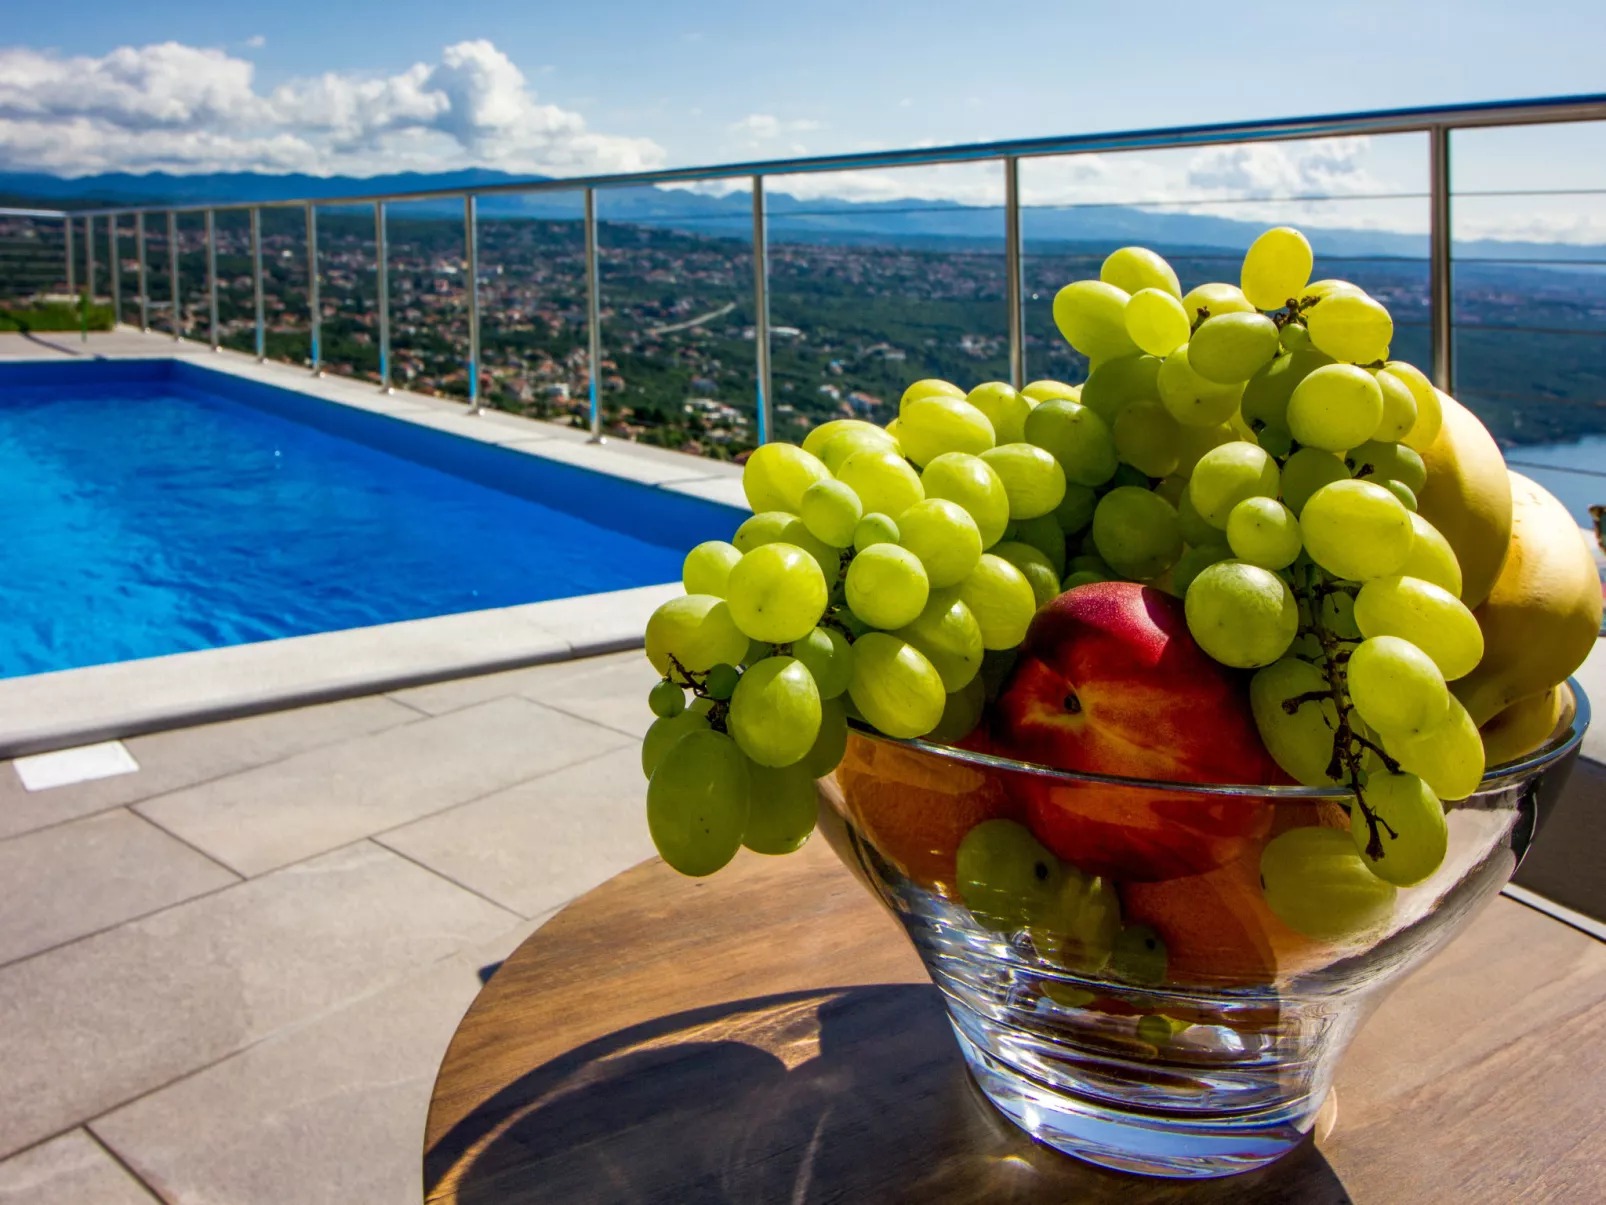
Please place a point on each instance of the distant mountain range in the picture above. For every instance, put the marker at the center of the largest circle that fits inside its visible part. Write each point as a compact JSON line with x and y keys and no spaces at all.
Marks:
{"x":816,"y":220}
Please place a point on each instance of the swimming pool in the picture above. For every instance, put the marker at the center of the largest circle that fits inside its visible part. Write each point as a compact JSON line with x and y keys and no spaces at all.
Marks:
{"x":155,"y":507}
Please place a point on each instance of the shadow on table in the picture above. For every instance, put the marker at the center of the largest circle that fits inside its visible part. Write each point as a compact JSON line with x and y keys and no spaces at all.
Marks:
{"x":852,"y":1095}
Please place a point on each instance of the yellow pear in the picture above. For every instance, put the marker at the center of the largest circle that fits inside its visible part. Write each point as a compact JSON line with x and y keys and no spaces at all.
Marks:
{"x":1525,"y":726}
{"x":1468,"y":498}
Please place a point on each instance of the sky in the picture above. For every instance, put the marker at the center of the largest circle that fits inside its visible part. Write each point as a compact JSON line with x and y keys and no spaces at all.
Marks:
{"x":358,"y":87}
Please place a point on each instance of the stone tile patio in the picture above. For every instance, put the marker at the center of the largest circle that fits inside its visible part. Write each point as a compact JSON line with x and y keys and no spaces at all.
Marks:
{"x":230,"y":976}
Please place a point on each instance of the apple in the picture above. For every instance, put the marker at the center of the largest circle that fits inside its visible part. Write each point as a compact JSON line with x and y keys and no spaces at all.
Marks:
{"x":1109,"y":681}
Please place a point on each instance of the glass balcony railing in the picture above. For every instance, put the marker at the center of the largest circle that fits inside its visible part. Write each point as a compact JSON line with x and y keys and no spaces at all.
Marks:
{"x":670,"y":308}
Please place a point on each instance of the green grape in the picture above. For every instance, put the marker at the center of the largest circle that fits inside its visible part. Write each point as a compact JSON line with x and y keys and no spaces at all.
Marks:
{"x":1138,"y":955}
{"x":1117,"y":383}
{"x":1318,"y":289}
{"x":1402,"y":492}
{"x":1294,"y":337}
{"x":961,"y":713}
{"x":1083,"y":577}
{"x":885,"y":483}
{"x":887,"y":586}
{"x":1335,"y":407}
{"x":1193,"y":400}
{"x":1411,"y":828}
{"x":775,"y":711}
{"x":1136,"y":532}
{"x":697,"y":630}
{"x":667,"y":699}
{"x":930,"y":426}
{"x":1042,"y":391}
{"x":895,"y":687}
{"x":1226,"y":475}
{"x":1191,"y":523}
{"x":1033,"y":480}
{"x":1448,"y":756}
{"x":1318,"y":885}
{"x":1158,"y":1030}
{"x":945,"y":538}
{"x":1197,"y":442}
{"x":835,"y":451}
{"x":1431,"y":558}
{"x":1265,"y":400}
{"x":1399,"y":407}
{"x":1195,"y":561}
{"x":831,"y":743}
{"x":1034,"y":566}
{"x":1350,"y":326}
{"x":831,"y":511}
{"x":1001,"y":599}
{"x":1301,"y":742}
{"x":930,"y":387}
{"x":1278,"y":441}
{"x":828,"y":558}
{"x":947,"y":633}
{"x":1080,"y":926}
{"x":763,"y":528}
{"x":757,"y":650}
{"x":1148,"y":438}
{"x":1216,"y":297}
{"x":783,"y":810}
{"x":698,"y":802}
{"x":1429,"y":410}
{"x":1046,"y":535}
{"x":708,"y":566}
{"x":1127,"y":474}
{"x":875,"y":529}
{"x":1396,"y":687}
{"x":1378,"y":461}
{"x":821,"y":437}
{"x":1276,"y":267}
{"x":1092,"y":562}
{"x":1076,"y":437}
{"x":1429,"y":616}
{"x":722,"y":680}
{"x":776,"y":475}
{"x":1156,"y":321}
{"x":1228,"y":349}
{"x":1004,"y":408}
{"x":971,"y":482}
{"x":1356,"y":530}
{"x":777,"y":594}
{"x":665,"y":732}
{"x":1264,"y":532}
{"x":1005,"y":876}
{"x":1338,"y":616}
{"x":1305,"y":472}
{"x":1134,"y":268}
{"x":1092,"y":316}
{"x":1171,"y":487}
{"x":1242,"y":615}
{"x":827,"y":655}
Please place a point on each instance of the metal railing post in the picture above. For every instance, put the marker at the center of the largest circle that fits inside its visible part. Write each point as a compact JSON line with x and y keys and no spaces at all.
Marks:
{"x":211,"y":277}
{"x":1014,"y":268}
{"x":765,"y":407}
{"x":471,"y":266}
{"x":144,"y":291}
{"x":382,"y":284}
{"x":1441,"y":312}
{"x":72,"y":266}
{"x":175,"y":292}
{"x":256,"y":284}
{"x":115,"y":267}
{"x":314,"y":305}
{"x":89,"y":274}
{"x":593,"y":316}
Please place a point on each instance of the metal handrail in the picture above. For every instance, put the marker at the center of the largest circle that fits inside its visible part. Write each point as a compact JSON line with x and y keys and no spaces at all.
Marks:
{"x":1435,"y":121}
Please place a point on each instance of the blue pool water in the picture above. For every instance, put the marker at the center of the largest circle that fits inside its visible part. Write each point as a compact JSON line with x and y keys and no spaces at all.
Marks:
{"x":158,"y":507}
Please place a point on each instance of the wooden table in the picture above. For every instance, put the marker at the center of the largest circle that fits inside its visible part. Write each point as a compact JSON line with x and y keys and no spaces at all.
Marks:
{"x":768,"y":1035}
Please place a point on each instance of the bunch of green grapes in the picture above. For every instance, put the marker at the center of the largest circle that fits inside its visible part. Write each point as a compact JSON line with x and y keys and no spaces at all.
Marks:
{"x":1269,"y":460}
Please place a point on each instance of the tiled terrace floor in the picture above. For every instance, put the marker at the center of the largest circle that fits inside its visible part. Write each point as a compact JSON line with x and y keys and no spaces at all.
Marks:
{"x":230,"y":976}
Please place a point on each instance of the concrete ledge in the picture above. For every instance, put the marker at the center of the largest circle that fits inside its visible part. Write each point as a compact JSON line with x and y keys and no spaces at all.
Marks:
{"x":127,"y":698}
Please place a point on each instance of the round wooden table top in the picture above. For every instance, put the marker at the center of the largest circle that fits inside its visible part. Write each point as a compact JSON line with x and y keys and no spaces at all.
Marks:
{"x":768,"y":1035}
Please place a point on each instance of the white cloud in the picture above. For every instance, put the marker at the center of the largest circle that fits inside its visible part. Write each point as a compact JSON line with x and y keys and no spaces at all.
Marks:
{"x":256,"y":41}
{"x":187,"y":109}
{"x":759,"y":131}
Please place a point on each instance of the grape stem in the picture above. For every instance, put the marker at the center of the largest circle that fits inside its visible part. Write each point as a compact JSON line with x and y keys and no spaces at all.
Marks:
{"x":697,"y":683}
{"x":1314,"y":587}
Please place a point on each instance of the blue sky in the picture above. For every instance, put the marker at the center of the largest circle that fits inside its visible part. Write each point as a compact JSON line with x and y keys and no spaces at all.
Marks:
{"x":356,"y":86}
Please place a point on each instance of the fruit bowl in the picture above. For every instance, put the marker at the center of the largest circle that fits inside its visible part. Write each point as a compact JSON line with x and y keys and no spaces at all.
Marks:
{"x":1158,"y":1018}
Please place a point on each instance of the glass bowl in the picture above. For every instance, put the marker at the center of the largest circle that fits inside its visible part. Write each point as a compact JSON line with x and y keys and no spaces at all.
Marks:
{"x":1215,"y":1056}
